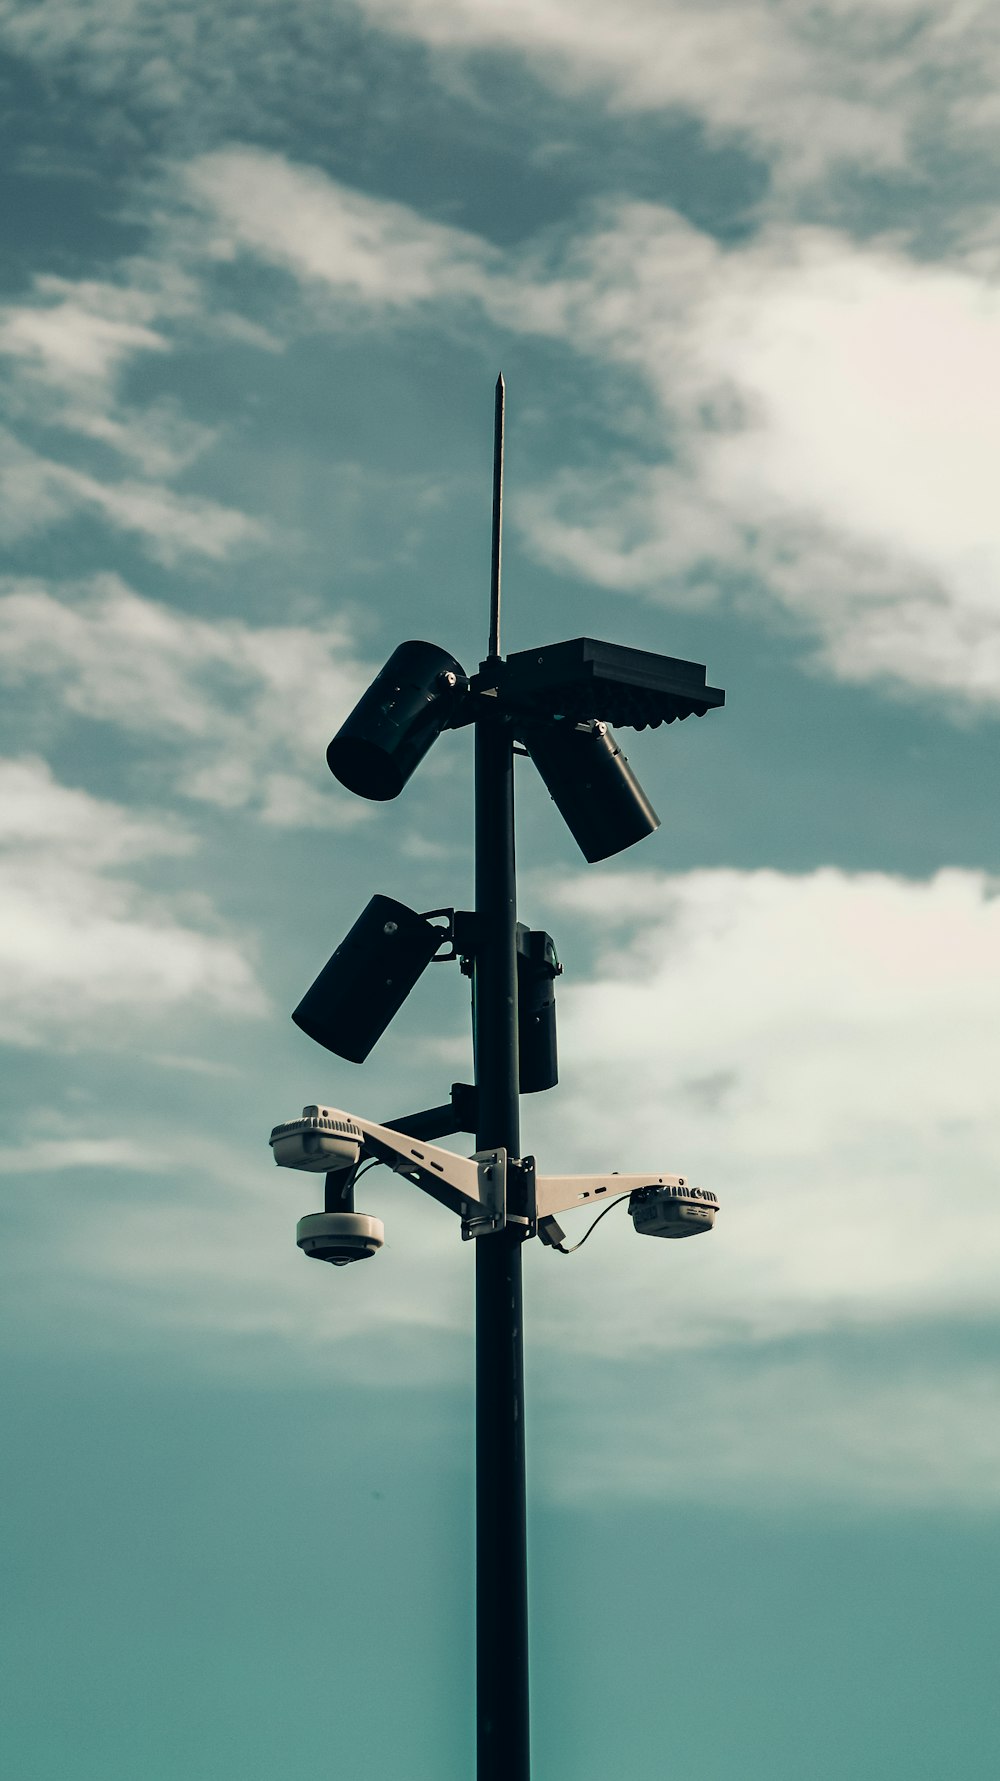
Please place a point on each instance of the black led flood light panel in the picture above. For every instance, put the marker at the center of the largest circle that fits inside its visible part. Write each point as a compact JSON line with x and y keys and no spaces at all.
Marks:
{"x":584,"y":678}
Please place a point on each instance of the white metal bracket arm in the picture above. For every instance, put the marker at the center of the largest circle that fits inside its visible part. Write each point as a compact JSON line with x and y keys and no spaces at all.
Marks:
{"x":328,"y":1140}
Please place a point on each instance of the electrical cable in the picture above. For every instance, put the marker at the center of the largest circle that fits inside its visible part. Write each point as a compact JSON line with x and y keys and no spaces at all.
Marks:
{"x":561,"y":1247}
{"x":360,"y":1169}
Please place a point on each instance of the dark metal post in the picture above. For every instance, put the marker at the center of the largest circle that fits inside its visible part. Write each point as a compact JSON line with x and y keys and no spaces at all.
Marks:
{"x":501,"y":1534}
{"x":501,"y":1543}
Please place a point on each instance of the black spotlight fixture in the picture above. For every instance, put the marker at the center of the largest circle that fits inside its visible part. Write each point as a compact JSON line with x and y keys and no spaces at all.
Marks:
{"x":368,"y":978}
{"x":537,"y":969}
{"x":417,"y":695}
{"x":592,"y":786}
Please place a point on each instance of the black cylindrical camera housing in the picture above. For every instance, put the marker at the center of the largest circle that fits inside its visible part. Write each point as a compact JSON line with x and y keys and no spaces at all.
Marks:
{"x":393,"y":725}
{"x":368,"y":978}
{"x":537,"y":970}
{"x":593,"y":786}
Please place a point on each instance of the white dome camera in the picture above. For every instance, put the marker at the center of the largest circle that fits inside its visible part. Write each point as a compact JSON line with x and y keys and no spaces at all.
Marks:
{"x":339,"y":1237}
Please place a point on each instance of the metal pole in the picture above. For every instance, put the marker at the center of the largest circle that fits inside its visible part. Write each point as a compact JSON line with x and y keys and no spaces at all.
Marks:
{"x":498,"y":414}
{"x":501,"y":1534}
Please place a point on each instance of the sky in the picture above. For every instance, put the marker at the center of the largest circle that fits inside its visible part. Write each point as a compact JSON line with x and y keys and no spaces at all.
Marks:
{"x":740,"y":264}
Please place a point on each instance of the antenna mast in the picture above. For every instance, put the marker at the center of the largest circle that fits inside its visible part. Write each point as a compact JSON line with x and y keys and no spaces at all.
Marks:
{"x":498,"y":416}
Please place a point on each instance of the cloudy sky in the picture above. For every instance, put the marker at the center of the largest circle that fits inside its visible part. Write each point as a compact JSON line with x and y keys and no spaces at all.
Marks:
{"x":740,"y":263}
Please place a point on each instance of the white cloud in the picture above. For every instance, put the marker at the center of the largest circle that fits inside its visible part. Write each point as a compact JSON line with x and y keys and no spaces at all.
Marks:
{"x":37,"y":813}
{"x":876,"y":83}
{"x":370,"y":250}
{"x":830,"y":413}
{"x":37,"y":492}
{"x":172,"y":526}
{"x":43,"y":1156}
{"x":755,"y":71}
{"x":821,"y":1050}
{"x":159,"y":440}
{"x":816,"y":418}
{"x":228,"y":697}
{"x":64,"y":347}
{"x":65,"y":343}
{"x":88,"y":954}
{"x":79,"y":333}
{"x":872,"y":382}
{"x":803,"y":86}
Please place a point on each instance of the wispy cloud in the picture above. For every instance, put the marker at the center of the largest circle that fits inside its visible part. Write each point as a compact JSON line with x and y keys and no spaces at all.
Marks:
{"x":808,"y":426}
{"x":820,"y":1049}
{"x":88,"y":954}
{"x":38,"y":492}
{"x":226,"y":696}
{"x":804,"y":88}
{"x":828,"y":421}
{"x":867,"y":1429}
{"x":63,"y":348}
{"x":800,"y":95}
{"x":44,"y":1156}
{"x":371,"y":251}
{"x":79,"y":334}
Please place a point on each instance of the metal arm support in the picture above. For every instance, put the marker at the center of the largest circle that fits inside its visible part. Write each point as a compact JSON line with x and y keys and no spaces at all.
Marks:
{"x":487,"y":1191}
{"x":473,"y":1187}
{"x":560,"y":1193}
{"x":457,"y":1115}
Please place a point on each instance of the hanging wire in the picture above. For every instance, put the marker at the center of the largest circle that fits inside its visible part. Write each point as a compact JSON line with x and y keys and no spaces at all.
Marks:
{"x":561,"y":1247}
{"x":370,"y":1162}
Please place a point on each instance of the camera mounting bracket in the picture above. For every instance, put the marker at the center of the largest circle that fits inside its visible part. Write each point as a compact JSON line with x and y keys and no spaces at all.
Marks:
{"x":473,"y":1187}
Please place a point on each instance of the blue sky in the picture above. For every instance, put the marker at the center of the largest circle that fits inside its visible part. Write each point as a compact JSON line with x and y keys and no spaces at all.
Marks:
{"x":739,"y":263}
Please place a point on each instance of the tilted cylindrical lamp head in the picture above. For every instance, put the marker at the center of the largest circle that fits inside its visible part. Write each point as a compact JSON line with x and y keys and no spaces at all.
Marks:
{"x":393,"y":725}
{"x":592,"y":785}
{"x":368,"y":978}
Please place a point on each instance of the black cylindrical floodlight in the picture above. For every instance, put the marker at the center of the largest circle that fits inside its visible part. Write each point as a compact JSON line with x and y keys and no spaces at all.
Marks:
{"x":368,"y":978}
{"x":537,"y":970}
{"x":592,"y":785}
{"x":393,"y":725}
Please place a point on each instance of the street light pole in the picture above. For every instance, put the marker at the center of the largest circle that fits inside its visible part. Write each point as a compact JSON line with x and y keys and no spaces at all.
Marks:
{"x":501,"y":1543}
{"x":501,"y":1550}
{"x":557,"y":702}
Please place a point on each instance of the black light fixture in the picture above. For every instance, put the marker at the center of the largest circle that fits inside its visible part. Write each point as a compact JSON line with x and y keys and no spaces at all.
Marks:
{"x":561,"y":699}
{"x":368,"y":978}
{"x":393,"y":725}
{"x":537,"y":969}
{"x":592,"y":785}
{"x":584,"y":678}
